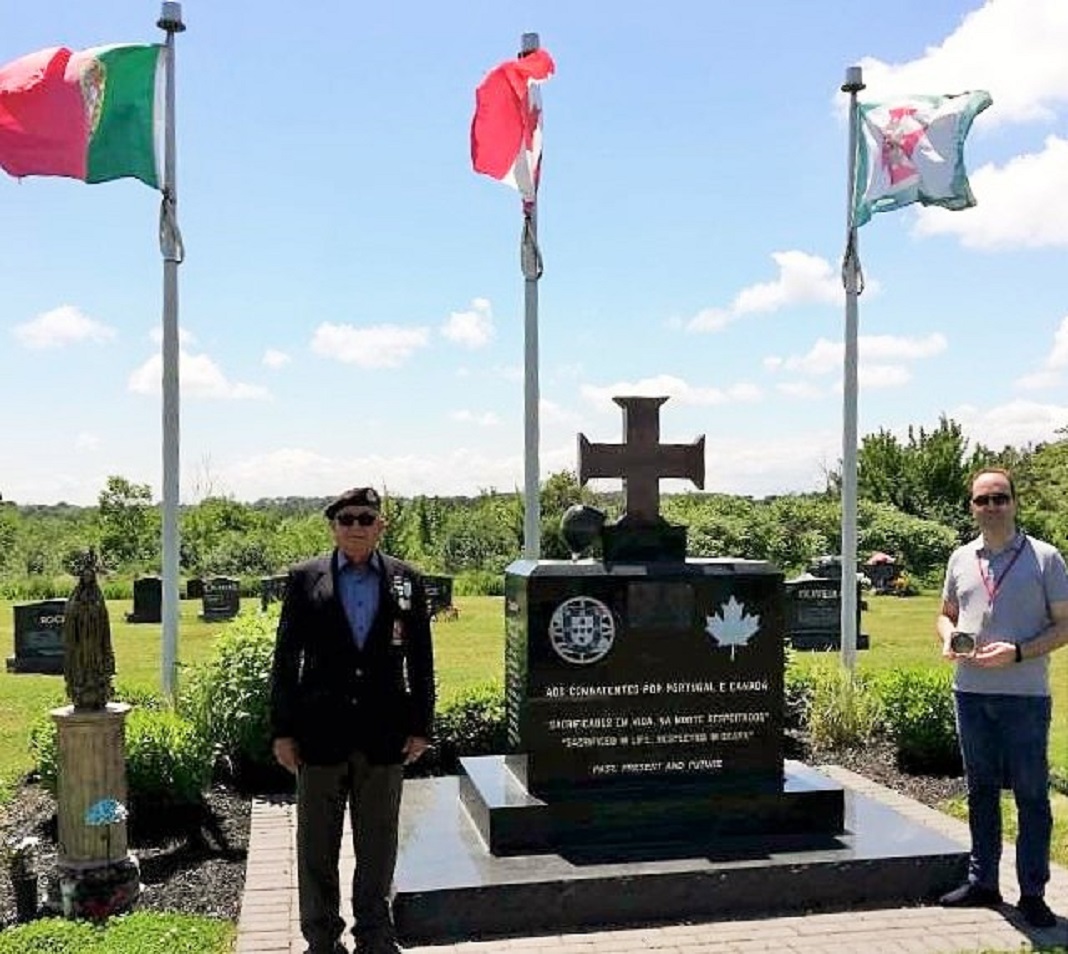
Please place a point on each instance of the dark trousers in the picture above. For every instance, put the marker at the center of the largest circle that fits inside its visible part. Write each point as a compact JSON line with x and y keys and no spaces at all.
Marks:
{"x":1004,"y":741}
{"x":373,"y":793}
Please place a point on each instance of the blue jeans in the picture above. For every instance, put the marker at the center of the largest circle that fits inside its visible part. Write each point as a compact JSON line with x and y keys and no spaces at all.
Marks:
{"x":1004,"y":741}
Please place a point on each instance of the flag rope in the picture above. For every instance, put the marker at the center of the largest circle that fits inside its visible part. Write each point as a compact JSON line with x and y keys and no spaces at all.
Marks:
{"x":529,"y":252}
{"x":851,"y":262}
{"x":170,"y":236}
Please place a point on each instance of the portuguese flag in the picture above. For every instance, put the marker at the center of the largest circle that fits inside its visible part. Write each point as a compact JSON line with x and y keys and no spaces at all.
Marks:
{"x":93,"y":115}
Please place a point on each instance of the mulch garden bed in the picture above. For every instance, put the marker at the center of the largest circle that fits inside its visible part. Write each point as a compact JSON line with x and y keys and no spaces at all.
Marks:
{"x":196,"y":864}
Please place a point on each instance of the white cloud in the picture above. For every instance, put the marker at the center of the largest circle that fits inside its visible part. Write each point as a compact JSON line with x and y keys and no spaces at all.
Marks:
{"x":375,"y":346}
{"x":803,"y":279}
{"x":1050,"y":374}
{"x":666,"y":385}
{"x":460,"y":471}
{"x":802,"y":390}
{"x":199,"y":377}
{"x":1022,"y":204}
{"x":872,"y":376}
{"x":1016,"y":423}
{"x":552,"y":413}
{"x":272,"y":358}
{"x":61,"y":326}
{"x":86,"y":441}
{"x":472,"y":328}
{"x":875,"y":354}
{"x":1012,"y":48}
{"x":485,"y":419}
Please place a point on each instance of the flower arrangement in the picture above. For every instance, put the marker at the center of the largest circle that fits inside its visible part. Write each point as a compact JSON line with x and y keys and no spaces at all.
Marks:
{"x":104,"y":814}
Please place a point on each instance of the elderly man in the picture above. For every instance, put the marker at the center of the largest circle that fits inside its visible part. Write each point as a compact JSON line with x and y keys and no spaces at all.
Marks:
{"x":352,"y":701}
{"x":1004,"y":610}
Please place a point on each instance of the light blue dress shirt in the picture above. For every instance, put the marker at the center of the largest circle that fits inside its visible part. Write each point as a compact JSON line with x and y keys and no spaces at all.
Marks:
{"x":358,"y":586}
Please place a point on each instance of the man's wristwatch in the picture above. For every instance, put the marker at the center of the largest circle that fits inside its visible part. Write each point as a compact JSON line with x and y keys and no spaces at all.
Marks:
{"x":1019,"y":653}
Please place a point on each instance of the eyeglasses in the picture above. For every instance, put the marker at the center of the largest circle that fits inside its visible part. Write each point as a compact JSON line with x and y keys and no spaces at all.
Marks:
{"x":998,"y":500}
{"x":363,"y":519}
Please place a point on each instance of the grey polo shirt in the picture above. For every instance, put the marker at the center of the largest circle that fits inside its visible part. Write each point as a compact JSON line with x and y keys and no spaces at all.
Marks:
{"x":1005,"y":596}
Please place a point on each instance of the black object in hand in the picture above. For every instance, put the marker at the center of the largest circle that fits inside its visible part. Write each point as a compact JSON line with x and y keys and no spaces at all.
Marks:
{"x":962,"y":643}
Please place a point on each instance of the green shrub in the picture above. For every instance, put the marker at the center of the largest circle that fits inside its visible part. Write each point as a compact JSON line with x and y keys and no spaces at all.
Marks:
{"x":228,"y":696}
{"x":472,"y":722}
{"x":143,"y":932}
{"x":798,"y":687}
{"x":842,"y":709}
{"x":168,"y":761}
{"x":919,"y":717}
{"x":44,"y":748}
{"x":139,"y":697}
{"x":478,"y":583}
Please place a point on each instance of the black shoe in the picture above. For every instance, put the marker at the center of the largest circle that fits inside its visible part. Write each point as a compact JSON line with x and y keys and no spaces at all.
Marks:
{"x":1036,"y":912}
{"x":971,"y":895}
{"x":336,"y":948}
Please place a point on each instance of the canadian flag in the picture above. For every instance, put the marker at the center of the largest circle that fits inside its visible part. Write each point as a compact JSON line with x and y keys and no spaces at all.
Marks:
{"x":506,"y":128}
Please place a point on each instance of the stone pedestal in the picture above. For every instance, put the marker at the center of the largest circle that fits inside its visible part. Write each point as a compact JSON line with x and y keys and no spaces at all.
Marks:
{"x":96,"y":875}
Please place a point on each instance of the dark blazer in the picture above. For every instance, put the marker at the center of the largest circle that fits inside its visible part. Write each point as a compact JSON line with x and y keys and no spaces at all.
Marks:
{"x":335,"y":698}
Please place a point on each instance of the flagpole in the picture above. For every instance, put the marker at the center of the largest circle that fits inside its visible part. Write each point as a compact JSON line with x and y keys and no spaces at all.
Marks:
{"x":851,"y":278}
{"x":530,"y":262}
{"x":171,"y":249}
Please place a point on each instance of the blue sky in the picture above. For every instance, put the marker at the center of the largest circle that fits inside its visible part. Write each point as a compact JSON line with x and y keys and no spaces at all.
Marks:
{"x":351,"y":302}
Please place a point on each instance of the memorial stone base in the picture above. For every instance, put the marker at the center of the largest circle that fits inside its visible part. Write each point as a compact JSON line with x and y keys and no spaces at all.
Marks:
{"x":95,"y":874}
{"x":450,"y":887}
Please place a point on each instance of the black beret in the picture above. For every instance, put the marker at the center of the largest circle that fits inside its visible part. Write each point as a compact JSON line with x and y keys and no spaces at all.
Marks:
{"x":354,"y":497}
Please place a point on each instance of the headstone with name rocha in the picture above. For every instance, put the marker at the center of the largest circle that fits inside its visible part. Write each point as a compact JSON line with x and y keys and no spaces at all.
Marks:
{"x":38,"y":637}
{"x":221,"y":600}
{"x":644,"y":693}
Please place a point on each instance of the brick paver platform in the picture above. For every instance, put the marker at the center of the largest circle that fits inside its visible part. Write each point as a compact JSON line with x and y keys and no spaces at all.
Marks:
{"x":269,"y":920}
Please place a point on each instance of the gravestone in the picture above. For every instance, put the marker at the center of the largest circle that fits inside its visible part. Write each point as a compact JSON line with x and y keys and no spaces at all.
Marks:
{"x":814,"y":613}
{"x":194,"y":588}
{"x":221,"y":600}
{"x":644,"y":693}
{"x":438,"y":593}
{"x":272,"y":590}
{"x":147,"y":600}
{"x":38,"y":638}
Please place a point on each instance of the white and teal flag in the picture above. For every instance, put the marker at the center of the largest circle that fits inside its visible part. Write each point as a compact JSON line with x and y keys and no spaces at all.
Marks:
{"x":912,"y":150}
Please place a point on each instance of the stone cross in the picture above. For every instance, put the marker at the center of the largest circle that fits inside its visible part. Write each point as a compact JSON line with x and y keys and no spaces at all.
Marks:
{"x":641,"y":460}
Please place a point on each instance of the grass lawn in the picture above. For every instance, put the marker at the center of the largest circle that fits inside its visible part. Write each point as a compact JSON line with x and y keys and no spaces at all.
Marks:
{"x":469,"y":651}
{"x":25,"y":696}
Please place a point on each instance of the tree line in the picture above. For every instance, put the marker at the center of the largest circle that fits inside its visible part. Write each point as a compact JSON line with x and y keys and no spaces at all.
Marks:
{"x":912,"y":504}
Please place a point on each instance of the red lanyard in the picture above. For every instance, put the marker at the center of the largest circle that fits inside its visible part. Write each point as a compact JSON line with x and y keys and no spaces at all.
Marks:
{"x":990,"y":584}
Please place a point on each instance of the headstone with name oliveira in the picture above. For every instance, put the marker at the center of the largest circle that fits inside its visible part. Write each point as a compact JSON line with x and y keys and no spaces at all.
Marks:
{"x":644,"y":693}
{"x":814,"y":609}
{"x":272,"y":590}
{"x":38,"y":638}
{"x":221,"y":600}
{"x":147,"y":600}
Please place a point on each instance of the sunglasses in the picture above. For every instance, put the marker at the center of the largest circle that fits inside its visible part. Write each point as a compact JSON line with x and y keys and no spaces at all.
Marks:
{"x":363,"y":519}
{"x":998,"y":500}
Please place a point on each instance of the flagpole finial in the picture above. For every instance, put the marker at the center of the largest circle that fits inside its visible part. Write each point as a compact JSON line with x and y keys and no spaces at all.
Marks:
{"x":170,"y":18}
{"x":529,"y":43}
{"x":854,"y":80}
